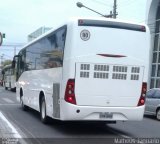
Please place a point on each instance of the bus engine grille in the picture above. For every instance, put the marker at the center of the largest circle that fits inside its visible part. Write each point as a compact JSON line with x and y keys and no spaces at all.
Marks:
{"x":106,"y":71}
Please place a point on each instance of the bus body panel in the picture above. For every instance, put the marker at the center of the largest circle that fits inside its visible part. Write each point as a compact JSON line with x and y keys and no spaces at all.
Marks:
{"x":32,"y":87}
{"x":109,"y":90}
{"x":109,"y":86}
{"x":93,"y":113}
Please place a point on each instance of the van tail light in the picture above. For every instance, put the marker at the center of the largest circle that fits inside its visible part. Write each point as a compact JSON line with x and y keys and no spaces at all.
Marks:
{"x":143,"y":94}
{"x":69,"y":93}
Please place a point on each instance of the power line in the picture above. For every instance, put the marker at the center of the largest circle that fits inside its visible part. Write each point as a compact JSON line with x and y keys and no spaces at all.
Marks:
{"x":102,"y":3}
{"x":113,"y":13}
{"x":9,"y":49}
{"x":123,"y":2}
{"x":7,"y":56}
{"x":12,"y":45}
{"x":127,"y":3}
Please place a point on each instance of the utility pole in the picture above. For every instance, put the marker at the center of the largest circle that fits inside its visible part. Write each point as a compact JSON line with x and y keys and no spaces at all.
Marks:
{"x":115,"y":9}
{"x":111,"y":14}
{"x":14,"y":50}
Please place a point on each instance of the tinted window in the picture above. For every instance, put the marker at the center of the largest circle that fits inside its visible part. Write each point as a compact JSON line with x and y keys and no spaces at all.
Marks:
{"x":32,"y":55}
{"x":47,"y":52}
{"x":150,"y":93}
{"x":22,"y":61}
{"x":153,"y":71}
{"x":156,"y":94}
{"x":55,"y":54}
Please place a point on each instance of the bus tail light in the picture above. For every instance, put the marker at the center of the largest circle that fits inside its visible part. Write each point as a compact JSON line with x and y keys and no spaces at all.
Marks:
{"x":143,"y":94}
{"x":69,"y":93}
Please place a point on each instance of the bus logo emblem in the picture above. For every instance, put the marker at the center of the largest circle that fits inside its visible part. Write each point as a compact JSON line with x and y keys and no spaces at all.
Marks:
{"x":85,"y":35}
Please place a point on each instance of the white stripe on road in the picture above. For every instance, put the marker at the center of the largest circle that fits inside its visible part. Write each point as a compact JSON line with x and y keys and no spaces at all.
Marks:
{"x":14,"y":131}
{"x":13,"y":104}
{"x":8,"y":100}
{"x":119,"y":134}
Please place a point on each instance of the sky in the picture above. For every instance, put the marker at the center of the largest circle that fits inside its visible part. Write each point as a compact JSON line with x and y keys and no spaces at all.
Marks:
{"x":19,"y":18}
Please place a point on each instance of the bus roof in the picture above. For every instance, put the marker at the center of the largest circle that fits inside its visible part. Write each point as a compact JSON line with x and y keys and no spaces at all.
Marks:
{"x":75,"y":20}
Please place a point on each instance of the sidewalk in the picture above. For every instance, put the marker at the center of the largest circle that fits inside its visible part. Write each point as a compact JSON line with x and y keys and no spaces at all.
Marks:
{"x":6,"y":128}
{"x":8,"y":134}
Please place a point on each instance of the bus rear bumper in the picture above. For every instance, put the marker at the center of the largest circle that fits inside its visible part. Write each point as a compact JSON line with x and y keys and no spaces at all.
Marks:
{"x":95,"y":113}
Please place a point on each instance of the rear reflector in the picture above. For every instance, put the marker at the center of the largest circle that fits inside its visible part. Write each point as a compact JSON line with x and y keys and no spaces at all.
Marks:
{"x":111,"y":55}
{"x":69,"y":93}
{"x":143,"y":94}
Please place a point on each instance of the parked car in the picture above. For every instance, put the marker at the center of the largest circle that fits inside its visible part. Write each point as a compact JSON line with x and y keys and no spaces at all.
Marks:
{"x":153,"y":102}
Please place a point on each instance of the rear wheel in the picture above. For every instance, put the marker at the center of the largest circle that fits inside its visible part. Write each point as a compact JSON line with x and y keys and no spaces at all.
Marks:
{"x":158,"y":114}
{"x":24,"y":107}
{"x":13,"y":89}
{"x":44,"y":117}
{"x":10,"y":86}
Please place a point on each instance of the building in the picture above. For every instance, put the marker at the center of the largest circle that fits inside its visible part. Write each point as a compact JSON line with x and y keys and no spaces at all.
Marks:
{"x":153,"y":21}
{"x":37,"y":33}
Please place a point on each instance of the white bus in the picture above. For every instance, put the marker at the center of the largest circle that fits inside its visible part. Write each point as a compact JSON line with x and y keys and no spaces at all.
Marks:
{"x":87,"y":70}
{"x":9,"y":77}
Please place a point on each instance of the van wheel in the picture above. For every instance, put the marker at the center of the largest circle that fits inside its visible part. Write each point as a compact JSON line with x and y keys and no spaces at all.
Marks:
{"x":6,"y":88}
{"x":44,"y":117}
{"x":24,"y":107}
{"x":158,"y":114}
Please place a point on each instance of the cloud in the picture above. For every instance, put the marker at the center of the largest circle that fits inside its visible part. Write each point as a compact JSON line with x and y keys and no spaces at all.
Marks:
{"x":21,"y":17}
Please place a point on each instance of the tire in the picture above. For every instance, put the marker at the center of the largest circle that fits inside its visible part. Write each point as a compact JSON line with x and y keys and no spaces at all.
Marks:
{"x":24,"y":107}
{"x":13,"y":89}
{"x":158,"y":114}
{"x":10,"y":85}
{"x":43,"y":115}
{"x":6,"y":88}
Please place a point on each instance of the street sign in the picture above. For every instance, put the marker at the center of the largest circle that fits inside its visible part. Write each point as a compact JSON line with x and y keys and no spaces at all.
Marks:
{"x":1,"y":38}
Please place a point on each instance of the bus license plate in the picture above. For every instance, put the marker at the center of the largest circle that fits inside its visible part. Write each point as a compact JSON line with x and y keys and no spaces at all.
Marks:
{"x":106,"y":115}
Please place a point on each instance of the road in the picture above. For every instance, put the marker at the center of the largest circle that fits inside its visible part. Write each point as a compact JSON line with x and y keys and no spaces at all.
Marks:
{"x":28,"y":125}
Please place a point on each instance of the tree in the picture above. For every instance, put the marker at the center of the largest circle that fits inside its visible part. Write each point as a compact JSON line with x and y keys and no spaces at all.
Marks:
{"x":7,"y":62}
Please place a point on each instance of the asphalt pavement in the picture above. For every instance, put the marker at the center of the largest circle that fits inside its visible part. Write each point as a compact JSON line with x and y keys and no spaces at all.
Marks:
{"x":24,"y":127}
{"x":6,"y":129}
{"x":19,"y":127}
